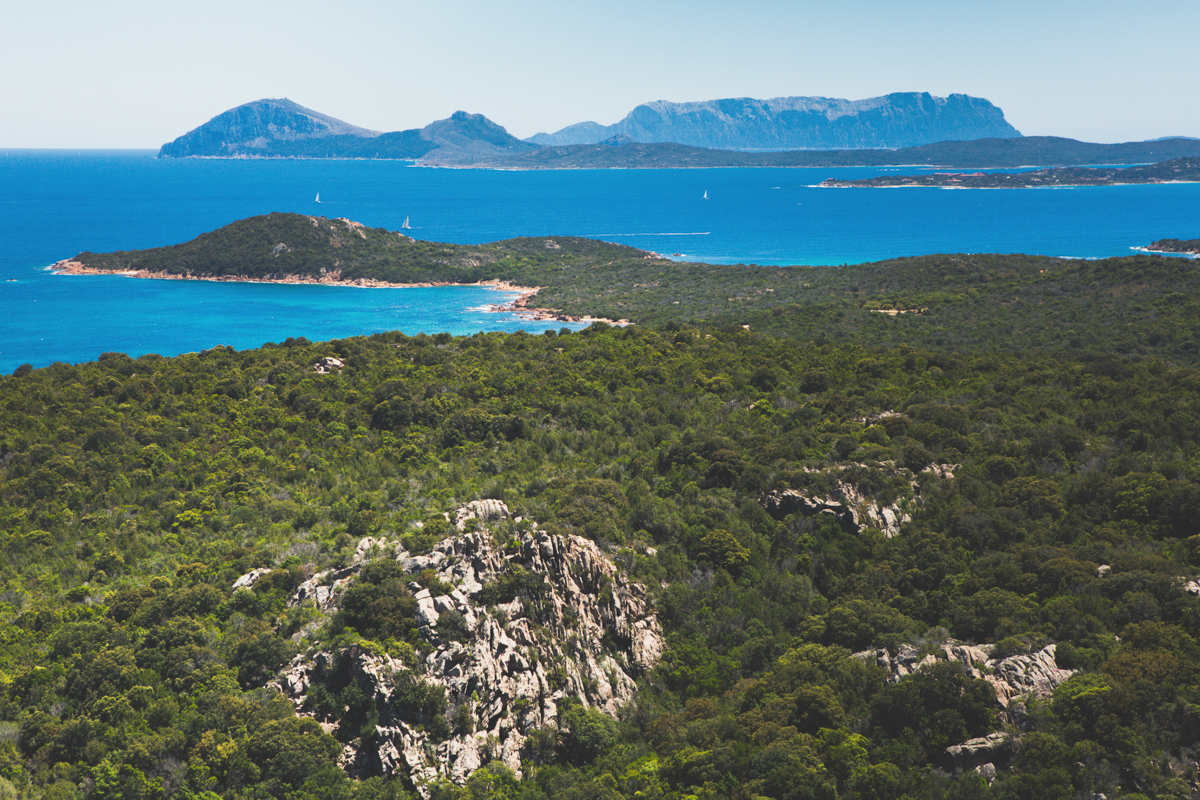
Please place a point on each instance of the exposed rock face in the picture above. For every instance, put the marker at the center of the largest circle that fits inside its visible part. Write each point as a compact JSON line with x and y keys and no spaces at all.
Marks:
{"x":1035,"y":674}
{"x":587,"y":635}
{"x":853,"y":509}
{"x":903,"y":119}
{"x":982,"y":754}
{"x":988,"y":771}
{"x":329,"y":366}
{"x":780,"y":504}
{"x":250,"y":578}
{"x":257,"y":129}
{"x":1013,"y":678}
{"x":482,"y":510}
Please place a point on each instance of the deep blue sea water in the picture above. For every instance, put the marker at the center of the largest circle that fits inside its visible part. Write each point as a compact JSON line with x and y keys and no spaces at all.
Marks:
{"x":54,"y":204}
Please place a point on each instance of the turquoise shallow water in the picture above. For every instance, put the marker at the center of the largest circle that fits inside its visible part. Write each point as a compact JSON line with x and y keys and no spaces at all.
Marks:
{"x":55,"y":204}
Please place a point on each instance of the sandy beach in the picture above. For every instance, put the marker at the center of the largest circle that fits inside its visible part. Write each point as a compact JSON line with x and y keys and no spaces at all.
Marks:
{"x":518,"y":306}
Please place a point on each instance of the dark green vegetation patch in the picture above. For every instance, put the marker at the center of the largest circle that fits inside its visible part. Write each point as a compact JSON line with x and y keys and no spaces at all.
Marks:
{"x":277,"y":246}
{"x":136,"y":490}
{"x":1038,"y":419}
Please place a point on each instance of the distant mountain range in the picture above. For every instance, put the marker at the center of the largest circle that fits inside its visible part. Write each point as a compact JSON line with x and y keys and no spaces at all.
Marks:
{"x":957,"y":131}
{"x":282,"y":129}
{"x":906,"y":119}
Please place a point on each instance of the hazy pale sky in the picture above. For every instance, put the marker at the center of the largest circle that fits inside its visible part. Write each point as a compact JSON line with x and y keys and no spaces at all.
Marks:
{"x":138,"y":73}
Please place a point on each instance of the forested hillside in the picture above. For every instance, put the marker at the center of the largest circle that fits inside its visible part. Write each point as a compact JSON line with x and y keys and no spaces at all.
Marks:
{"x":821,"y":524}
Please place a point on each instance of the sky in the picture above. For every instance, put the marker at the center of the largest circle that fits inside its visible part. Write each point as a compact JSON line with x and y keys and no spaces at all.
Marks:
{"x":138,"y":73}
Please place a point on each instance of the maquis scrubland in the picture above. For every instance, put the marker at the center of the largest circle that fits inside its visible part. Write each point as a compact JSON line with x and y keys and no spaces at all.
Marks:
{"x":924,"y":528}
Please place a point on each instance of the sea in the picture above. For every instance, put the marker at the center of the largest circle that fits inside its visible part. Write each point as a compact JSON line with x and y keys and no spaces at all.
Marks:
{"x":57,"y":203}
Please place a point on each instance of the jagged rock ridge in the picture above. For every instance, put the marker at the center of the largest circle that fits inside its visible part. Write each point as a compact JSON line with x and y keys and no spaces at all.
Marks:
{"x":589,"y":634}
{"x":902,"y":119}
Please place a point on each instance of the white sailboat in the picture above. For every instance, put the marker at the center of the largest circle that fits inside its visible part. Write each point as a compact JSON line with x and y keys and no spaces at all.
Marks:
{"x":406,"y":226}
{"x":318,"y":198}
{"x":706,"y":194}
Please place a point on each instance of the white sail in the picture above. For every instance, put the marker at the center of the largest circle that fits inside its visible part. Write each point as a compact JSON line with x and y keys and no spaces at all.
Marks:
{"x":405,"y":225}
{"x":706,"y":194}
{"x":318,"y":198}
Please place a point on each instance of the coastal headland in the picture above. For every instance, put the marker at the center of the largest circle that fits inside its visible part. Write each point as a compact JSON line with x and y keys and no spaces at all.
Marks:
{"x":574,"y":279}
{"x":180,"y":262}
{"x":1182,"y":247}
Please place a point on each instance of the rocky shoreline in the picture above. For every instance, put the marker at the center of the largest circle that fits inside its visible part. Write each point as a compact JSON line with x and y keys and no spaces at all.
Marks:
{"x":1173,"y":247}
{"x":518,"y":306}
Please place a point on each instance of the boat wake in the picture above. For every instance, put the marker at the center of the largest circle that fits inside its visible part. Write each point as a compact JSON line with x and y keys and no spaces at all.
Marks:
{"x":599,"y":235}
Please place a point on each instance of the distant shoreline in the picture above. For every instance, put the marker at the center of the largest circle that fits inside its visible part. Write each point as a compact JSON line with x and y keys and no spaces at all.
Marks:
{"x":1183,"y":253}
{"x":836,"y":184}
{"x":518,"y":306}
{"x":1177,"y":171}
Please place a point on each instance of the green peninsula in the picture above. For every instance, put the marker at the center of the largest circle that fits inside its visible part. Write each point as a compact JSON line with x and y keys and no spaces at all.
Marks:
{"x":957,"y":300}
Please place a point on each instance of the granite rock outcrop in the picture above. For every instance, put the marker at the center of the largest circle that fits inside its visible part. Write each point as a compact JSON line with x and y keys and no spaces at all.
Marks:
{"x":504,"y":664}
{"x":853,"y":508}
{"x":981,"y":754}
{"x":1015,"y":677}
